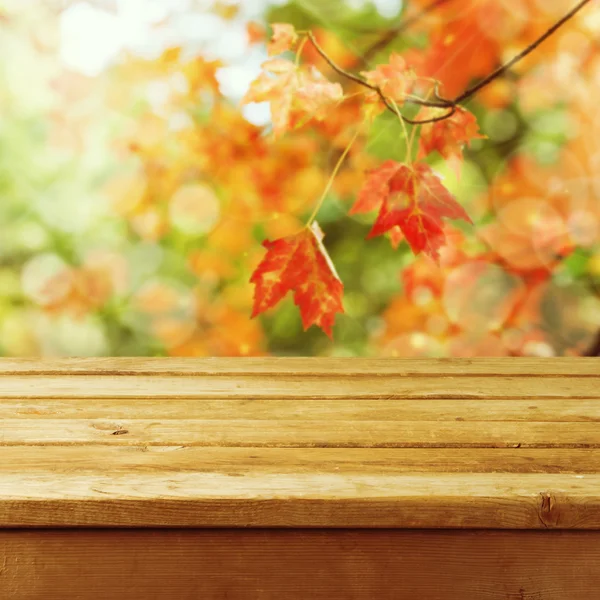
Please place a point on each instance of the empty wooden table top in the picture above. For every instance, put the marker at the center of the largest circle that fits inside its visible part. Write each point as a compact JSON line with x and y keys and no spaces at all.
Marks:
{"x":302,"y":443}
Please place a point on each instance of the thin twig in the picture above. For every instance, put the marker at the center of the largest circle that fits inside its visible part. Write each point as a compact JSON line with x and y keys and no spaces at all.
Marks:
{"x":360,"y":81}
{"x":335,"y":67}
{"x":452,"y":110}
{"x":511,"y":63}
{"x":442,"y":102}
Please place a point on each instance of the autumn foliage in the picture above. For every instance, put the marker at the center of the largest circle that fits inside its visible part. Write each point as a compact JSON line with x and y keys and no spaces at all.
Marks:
{"x":410,"y":198}
{"x":408,"y":195}
{"x":300,"y":263}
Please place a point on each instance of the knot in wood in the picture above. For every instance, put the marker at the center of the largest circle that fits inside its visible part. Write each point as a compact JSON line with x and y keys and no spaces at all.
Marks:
{"x":548,"y":510}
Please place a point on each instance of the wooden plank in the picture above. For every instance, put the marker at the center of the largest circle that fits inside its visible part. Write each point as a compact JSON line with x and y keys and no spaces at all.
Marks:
{"x":365,"y":409}
{"x":349,"y":367}
{"x":251,"y":444}
{"x":239,"y":462}
{"x":293,"y":565}
{"x":311,"y":499}
{"x":300,"y":433}
{"x":296,"y":386}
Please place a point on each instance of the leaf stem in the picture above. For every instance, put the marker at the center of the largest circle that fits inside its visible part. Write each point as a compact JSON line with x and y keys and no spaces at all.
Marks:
{"x":408,"y":158}
{"x":299,"y":50}
{"x":416,"y":126}
{"x":332,"y":178}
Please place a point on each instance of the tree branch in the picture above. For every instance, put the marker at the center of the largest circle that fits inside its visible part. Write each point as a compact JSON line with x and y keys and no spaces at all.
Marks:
{"x":450,"y":105}
{"x":526,"y":52}
{"x":441,"y":103}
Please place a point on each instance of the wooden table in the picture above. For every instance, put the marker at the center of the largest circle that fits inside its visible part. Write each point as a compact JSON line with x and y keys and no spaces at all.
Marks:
{"x":300,"y":479}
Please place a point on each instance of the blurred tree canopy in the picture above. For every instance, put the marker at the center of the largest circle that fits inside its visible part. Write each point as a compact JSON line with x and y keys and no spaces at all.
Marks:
{"x":137,"y":189}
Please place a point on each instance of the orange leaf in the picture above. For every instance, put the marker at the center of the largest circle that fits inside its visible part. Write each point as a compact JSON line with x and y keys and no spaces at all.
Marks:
{"x":315,"y":94}
{"x":256,"y":32}
{"x":284,"y":37}
{"x":448,"y":136}
{"x":301,"y":264}
{"x":276,"y":85}
{"x":294,"y":93}
{"x":394,"y":79}
{"x":413,"y":199}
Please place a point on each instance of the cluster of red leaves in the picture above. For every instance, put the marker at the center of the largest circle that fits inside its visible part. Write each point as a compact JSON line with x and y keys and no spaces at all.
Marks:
{"x":410,"y":197}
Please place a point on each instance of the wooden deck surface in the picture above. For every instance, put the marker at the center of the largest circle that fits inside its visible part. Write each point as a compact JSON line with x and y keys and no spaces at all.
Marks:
{"x":346,"y":465}
{"x":300,"y":443}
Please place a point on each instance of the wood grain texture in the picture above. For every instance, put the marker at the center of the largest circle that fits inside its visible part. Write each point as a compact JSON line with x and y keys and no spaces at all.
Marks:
{"x":300,"y":443}
{"x":298,"y":565}
{"x":295,"y":386}
{"x":365,"y":409}
{"x":348,"y":367}
{"x":300,"y":433}
{"x":310,"y":499}
{"x":128,"y":460}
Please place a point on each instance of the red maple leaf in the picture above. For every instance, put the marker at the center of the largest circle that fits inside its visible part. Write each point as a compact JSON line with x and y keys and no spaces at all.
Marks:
{"x":300,"y":263}
{"x":412,"y":199}
{"x":448,"y":136}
